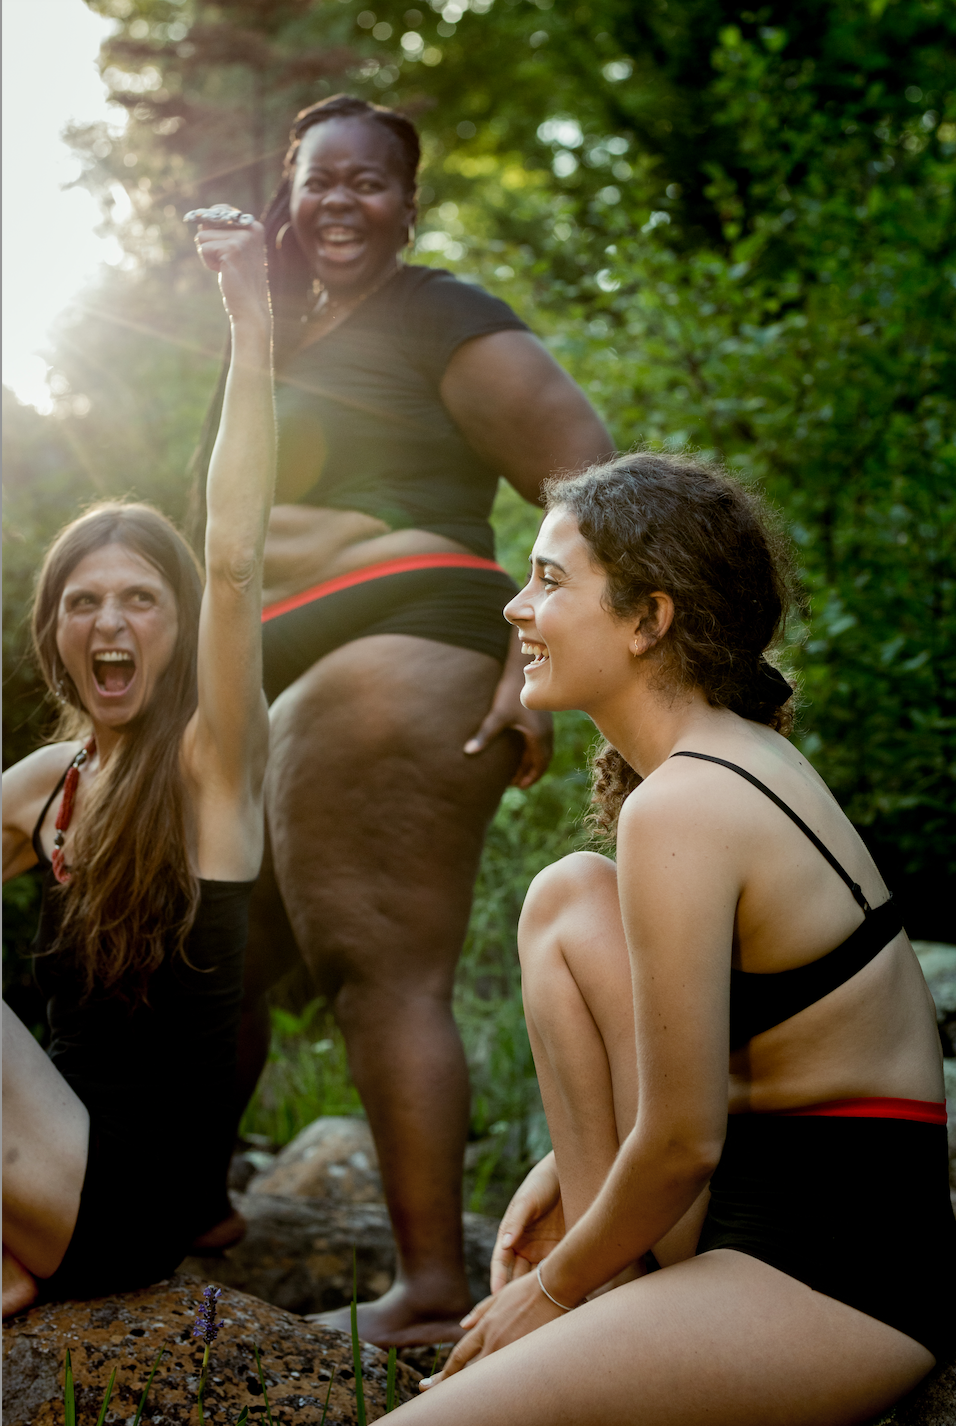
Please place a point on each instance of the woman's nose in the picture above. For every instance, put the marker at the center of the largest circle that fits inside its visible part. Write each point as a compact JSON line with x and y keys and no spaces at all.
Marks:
{"x":337,"y":197}
{"x":110,"y":615}
{"x":519,"y":609}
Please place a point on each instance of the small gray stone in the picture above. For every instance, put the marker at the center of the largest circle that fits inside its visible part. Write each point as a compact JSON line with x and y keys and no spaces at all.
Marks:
{"x":333,"y":1157}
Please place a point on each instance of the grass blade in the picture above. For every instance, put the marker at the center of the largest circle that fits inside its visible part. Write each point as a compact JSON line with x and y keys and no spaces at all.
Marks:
{"x":356,"y":1350}
{"x":243,"y":1416}
{"x":106,"y":1399}
{"x":437,"y":1359}
{"x":262,"y":1383}
{"x":69,"y":1398}
{"x":325,"y":1409}
{"x":390,"y":1380}
{"x":142,"y":1401}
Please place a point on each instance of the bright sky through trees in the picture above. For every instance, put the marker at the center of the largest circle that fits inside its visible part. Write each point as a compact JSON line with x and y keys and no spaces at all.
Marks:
{"x":50,"y":248}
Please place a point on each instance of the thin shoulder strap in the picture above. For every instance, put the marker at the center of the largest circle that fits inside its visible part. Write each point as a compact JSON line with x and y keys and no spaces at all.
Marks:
{"x":762,"y":787}
{"x":41,"y":855}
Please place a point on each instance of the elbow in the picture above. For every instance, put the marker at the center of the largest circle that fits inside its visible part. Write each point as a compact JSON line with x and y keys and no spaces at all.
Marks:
{"x":690,"y":1156}
{"x":236,"y":568}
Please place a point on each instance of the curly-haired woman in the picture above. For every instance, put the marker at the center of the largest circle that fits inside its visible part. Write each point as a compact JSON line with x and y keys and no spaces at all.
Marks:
{"x":147,"y":814}
{"x":733,"y":1003}
{"x":402,"y":395}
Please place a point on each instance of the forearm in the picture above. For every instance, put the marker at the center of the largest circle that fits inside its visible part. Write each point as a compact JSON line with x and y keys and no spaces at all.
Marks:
{"x":241,"y":476}
{"x":646,"y":1193}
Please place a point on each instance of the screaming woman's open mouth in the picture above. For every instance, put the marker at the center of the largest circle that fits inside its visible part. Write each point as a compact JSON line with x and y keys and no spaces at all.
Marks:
{"x":113,"y":670}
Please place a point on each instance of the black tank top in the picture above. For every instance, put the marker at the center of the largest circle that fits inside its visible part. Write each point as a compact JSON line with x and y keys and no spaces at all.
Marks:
{"x":761,"y":999}
{"x":157,"y":1076}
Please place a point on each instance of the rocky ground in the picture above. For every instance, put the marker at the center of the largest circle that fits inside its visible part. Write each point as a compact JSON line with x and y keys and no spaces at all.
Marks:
{"x":126,"y":1332}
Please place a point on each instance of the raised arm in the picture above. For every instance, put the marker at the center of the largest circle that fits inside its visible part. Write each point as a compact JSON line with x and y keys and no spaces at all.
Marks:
{"x":228,"y":741}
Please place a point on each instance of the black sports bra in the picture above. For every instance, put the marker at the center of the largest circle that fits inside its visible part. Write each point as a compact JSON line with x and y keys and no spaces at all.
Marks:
{"x":761,"y":999}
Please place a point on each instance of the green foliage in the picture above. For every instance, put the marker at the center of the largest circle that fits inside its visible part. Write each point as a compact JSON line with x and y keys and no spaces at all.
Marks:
{"x":306,"y":1075}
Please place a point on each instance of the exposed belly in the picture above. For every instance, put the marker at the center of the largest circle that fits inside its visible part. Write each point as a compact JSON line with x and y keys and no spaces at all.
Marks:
{"x":306,"y":545}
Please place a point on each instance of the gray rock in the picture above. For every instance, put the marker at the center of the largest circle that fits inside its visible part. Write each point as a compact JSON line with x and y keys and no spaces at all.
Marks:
{"x":297,"y":1252}
{"x":126,"y":1331}
{"x":333,"y":1158}
{"x":938,"y":963}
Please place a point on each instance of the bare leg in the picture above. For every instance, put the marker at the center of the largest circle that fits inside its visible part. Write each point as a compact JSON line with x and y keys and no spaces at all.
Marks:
{"x":576,"y":981}
{"x":722,"y":1339}
{"x":377,"y":820}
{"x":45,"y":1141}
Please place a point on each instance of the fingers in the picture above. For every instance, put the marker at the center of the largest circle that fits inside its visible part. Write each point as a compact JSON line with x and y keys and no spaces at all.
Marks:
{"x":465,"y":1351}
{"x":476,"y":1313}
{"x":494,"y":723}
{"x":217,"y":246}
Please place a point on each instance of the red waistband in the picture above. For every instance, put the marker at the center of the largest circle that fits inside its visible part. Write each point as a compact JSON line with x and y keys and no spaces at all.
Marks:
{"x":376,"y":571}
{"x":924,"y":1111}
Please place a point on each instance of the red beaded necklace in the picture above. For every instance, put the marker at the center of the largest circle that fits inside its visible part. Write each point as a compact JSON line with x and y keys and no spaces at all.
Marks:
{"x":65,"y":814}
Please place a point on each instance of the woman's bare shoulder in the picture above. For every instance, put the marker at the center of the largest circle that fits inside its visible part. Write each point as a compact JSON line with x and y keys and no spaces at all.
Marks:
{"x":37,"y":774}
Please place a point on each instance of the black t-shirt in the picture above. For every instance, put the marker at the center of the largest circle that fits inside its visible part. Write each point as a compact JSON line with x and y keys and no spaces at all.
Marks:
{"x":361,"y":421}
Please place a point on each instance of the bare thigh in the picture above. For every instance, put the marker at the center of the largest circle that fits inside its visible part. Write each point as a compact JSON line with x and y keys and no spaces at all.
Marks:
{"x":46,"y":1131}
{"x":376,"y":816}
{"x":721,"y":1339}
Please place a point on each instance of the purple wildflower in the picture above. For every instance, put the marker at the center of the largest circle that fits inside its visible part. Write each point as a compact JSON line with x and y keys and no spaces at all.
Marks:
{"x":206,"y":1325}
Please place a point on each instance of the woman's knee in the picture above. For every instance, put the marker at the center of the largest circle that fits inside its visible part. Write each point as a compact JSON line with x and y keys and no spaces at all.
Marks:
{"x":565,"y":892}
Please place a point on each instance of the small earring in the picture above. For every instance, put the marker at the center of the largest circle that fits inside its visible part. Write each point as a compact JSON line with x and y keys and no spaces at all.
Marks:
{"x":281,"y":234}
{"x":410,"y":239}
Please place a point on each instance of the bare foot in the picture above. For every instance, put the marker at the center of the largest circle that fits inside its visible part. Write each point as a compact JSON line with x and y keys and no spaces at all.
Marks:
{"x":19,"y":1286}
{"x":397,"y":1320}
{"x":226,"y":1234}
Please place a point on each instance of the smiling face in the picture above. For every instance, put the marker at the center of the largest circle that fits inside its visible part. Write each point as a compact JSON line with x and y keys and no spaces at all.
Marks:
{"x":116,"y":630}
{"x":584,"y":655}
{"x":350,"y":206}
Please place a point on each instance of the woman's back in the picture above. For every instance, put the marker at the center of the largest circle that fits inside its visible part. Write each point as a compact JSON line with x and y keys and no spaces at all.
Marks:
{"x":874,"y":1032}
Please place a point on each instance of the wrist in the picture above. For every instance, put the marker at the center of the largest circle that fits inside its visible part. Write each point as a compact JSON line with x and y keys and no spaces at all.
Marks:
{"x":556,"y":1302}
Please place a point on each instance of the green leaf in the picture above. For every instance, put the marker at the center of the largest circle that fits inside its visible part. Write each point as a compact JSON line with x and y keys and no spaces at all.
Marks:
{"x":142,"y":1400}
{"x":106,"y":1399}
{"x":356,"y":1350}
{"x":262,"y":1383}
{"x":69,"y":1399}
{"x":243,"y":1416}
{"x":390,"y":1380}
{"x":325,"y":1409}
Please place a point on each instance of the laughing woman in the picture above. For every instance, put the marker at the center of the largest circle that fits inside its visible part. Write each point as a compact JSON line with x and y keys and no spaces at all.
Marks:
{"x":734,"y":1003}
{"x":402,"y":395}
{"x":148,"y":820}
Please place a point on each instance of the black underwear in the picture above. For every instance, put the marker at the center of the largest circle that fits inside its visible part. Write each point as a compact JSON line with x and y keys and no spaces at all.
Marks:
{"x":450,"y":598}
{"x":856,"y":1208}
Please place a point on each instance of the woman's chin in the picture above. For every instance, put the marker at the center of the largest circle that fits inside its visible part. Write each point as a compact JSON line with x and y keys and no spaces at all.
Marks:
{"x":541,"y":699}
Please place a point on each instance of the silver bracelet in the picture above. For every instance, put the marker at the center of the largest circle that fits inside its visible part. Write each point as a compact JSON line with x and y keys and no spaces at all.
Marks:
{"x":547,"y":1293}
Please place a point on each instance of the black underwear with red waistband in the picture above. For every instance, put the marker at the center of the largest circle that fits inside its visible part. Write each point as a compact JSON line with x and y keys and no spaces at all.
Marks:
{"x":453,"y":599}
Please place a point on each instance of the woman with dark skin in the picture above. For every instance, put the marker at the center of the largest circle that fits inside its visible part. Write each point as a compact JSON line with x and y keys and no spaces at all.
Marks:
{"x":390,"y":752}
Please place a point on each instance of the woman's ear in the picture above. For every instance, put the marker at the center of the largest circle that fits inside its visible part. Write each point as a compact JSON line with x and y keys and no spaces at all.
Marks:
{"x":654,"y":622}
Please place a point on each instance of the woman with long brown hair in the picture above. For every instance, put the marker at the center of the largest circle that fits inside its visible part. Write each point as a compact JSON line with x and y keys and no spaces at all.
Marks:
{"x":403,"y":394}
{"x":146,"y":812}
{"x":745,"y":1217}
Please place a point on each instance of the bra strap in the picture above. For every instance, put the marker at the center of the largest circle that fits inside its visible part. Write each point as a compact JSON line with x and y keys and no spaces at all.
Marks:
{"x":762,"y":787}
